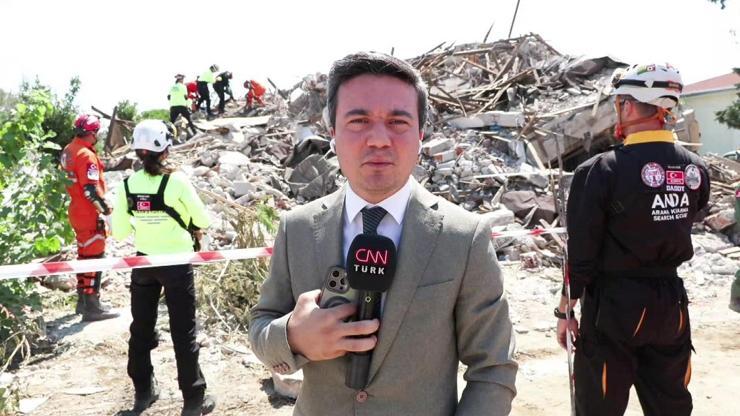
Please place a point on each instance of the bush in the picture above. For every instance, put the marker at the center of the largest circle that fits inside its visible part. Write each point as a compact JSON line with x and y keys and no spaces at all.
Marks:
{"x":59,"y":120}
{"x":33,"y":220}
{"x":127,"y":110}
{"x":227,"y":291}
{"x":158,"y":114}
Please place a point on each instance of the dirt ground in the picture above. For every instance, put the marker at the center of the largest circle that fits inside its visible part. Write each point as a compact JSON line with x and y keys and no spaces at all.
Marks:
{"x":86,"y":373}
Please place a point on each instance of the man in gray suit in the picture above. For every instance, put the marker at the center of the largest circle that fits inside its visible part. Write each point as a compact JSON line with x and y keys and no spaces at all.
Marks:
{"x":445,"y":304}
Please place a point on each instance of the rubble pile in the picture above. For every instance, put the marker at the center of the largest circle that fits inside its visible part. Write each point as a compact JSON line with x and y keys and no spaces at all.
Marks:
{"x":504,"y":118}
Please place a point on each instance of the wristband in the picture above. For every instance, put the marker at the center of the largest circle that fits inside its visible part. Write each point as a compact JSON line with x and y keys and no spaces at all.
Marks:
{"x":562,"y":315}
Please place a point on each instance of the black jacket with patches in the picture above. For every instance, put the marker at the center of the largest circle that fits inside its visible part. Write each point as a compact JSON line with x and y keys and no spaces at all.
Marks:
{"x":630,"y":212}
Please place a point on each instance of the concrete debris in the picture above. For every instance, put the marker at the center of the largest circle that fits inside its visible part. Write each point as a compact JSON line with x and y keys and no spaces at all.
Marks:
{"x":502,"y":116}
{"x":721,"y":220}
{"x":287,"y":385}
{"x":312,"y":178}
{"x":491,"y":118}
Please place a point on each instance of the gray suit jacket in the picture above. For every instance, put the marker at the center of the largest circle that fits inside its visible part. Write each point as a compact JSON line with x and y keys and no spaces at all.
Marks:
{"x":445,"y":305}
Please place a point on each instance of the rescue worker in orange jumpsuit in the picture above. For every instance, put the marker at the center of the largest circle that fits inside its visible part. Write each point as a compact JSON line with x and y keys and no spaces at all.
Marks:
{"x":192,"y":88}
{"x":255,"y":91}
{"x":86,"y":210}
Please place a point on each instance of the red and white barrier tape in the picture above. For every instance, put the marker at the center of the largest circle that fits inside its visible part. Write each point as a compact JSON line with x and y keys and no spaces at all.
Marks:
{"x":126,"y":263}
{"x":522,"y":233}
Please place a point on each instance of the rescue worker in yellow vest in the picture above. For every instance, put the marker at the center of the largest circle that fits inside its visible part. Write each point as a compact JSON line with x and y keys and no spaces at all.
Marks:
{"x":163,"y":211}
{"x":180,"y":103}
{"x":207,"y":77}
{"x":630,"y":214}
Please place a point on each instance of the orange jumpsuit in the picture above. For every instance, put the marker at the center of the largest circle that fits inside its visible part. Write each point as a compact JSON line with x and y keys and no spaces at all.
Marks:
{"x":83,"y":167}
{"x":255,"y":92}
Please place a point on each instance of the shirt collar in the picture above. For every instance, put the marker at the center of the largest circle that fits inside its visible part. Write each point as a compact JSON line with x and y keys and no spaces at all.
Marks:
{"x":84,"y":143}
{"x":394,"y":204}
{"x":650,"y":136}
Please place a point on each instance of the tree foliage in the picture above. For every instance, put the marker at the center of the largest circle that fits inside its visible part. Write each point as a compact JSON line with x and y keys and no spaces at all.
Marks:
{"x":158,"y":114}
{"x":33,"y":201}
{"x":127,"y":110}
{"x":731,"y":114}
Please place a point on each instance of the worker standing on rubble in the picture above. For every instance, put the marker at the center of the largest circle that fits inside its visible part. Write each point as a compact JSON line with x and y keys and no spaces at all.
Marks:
{"x":86,"y":210}
{"x":163,"y":210}
{"x":222,"y":87}
{"x":180,"y":103}
{"x":207,"y":77}
{"x":255,"y":91}
{"x":735,"y":291}
{"x":630,"y":215}
{"x":193,"y":96}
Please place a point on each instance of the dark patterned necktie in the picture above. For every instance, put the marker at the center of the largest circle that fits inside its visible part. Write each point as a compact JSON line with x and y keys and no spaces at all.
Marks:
{"x":371,"y":217}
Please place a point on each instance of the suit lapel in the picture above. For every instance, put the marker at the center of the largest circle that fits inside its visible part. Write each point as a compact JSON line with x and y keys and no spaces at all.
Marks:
{"x":422,"y":224}
{"x":328,"y":235}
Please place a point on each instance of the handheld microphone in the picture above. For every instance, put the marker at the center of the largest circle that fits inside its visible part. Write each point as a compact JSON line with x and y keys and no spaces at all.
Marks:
{"x":371,"y":264}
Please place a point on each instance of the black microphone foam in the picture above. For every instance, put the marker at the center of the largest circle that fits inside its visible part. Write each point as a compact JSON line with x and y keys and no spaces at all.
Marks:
{"x":371,"y":263}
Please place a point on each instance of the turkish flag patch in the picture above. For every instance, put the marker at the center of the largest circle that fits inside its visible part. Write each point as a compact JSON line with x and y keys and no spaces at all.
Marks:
{"x":674,"y":177}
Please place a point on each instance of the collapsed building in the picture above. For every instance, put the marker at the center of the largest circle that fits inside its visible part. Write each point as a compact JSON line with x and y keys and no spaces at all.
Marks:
{"x":508,"y":121}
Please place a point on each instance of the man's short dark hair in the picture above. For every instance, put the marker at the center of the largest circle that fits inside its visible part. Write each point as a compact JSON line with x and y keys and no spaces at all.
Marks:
{"x":374,"y":63}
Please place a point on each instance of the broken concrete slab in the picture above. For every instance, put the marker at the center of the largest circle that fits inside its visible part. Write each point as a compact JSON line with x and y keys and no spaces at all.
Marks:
{"x":241,"y":188}
{"x":721,"y":220}
{"x":233,"y":158}
{"x":491,"y":118}
{"x":288,"y":385}
{"x":437,"y":145}
{"x":445,"y":156}
{"x":500,"y":217}
{"x":312,"y":178}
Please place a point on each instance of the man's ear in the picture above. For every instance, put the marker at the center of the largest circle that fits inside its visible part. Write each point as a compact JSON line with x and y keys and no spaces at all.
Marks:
{"x":629,"y":107}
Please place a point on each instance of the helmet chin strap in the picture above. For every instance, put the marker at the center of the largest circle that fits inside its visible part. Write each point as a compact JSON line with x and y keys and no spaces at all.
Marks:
{"x":659,"y":115}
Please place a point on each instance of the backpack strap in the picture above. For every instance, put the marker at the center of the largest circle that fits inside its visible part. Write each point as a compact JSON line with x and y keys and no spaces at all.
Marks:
{"x":159,"y":197}
{"x":129,"y":200}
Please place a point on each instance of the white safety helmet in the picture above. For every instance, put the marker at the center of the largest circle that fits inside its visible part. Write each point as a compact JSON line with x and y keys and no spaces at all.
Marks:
{"x":658,"y":85}
{"x":152,"y":135}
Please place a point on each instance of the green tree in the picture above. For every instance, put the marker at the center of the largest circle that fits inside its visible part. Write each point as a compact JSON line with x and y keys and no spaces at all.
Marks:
{"x":33,"y":219}
{"x":127,"y":110}
{"x":158,"y":114}
{"x":7,"y":103}
{"x":33,"y":199}
{"x":59,"y":121}
{"x":731,"y":114}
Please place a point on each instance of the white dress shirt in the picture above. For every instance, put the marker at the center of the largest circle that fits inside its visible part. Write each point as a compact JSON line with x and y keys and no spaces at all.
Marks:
{"x":390,"y":226}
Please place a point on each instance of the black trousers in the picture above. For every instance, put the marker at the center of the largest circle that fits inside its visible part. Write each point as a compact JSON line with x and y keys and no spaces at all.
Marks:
{"x":205,"y":95}
{"x":221,"y":98}
{"x":181,"y":110}
{"x":179,"y":292}
{"x":634,"y":332}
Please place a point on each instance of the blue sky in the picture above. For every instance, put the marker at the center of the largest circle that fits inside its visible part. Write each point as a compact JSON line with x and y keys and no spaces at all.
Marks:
{"x":131,"y":49}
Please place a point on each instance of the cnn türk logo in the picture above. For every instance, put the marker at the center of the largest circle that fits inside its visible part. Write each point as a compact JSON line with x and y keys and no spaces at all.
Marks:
{"x":371,"y":261}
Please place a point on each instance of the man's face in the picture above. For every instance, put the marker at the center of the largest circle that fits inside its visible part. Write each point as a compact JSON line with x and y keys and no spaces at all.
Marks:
{"x":377,"y":134}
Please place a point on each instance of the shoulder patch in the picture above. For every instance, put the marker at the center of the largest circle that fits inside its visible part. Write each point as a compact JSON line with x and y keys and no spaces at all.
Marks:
{"x":93,"y":173}
{"x":693,"y":177}
{"x":653,"y":175}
